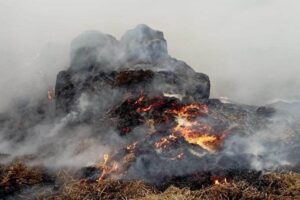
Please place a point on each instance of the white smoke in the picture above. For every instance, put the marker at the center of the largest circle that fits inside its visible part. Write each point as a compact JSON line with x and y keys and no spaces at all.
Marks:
{"x":244,"y":46}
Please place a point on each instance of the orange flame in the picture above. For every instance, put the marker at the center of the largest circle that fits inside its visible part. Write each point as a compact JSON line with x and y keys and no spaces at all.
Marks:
{"x":178,"y":157}
{"x":106,"y":169}
{"x":217,"y":182}
{"x":164,"y":142}
{"x":193,"y":131}
{"x":50,"y":94}
{"x":199,"y":136}
{"x":220,"y":181}
{"x":131,"y":147}
{"x":105,"y":158}
{"x":144,"y":107}
{"x":140,"y":99}
{"x":188,"y":127}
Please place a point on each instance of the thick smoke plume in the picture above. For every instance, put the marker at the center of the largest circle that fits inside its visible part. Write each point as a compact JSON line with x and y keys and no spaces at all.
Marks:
{"x":245,"y":46}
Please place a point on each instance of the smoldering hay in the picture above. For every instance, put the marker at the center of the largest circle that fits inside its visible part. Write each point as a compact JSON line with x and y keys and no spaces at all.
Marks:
{"x":148,"y":114}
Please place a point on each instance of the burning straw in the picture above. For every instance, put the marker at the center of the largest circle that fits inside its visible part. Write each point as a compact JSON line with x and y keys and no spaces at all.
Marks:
{"x":245,"y":185}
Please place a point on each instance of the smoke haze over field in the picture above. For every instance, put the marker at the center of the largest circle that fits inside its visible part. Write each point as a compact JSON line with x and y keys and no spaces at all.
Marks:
{"x":80,"y":79}
{"x":250,"y":49}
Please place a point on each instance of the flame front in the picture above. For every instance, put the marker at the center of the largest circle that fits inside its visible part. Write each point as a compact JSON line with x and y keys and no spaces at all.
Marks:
{"x":187,"y":121}
{"x":199,"y":134}
{"x":169,"y":123}
{"x":106,"y":168}
{"x":193,"y":130}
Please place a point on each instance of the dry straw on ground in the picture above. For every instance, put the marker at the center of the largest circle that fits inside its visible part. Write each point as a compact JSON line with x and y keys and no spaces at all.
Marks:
{"x":17,"y":178}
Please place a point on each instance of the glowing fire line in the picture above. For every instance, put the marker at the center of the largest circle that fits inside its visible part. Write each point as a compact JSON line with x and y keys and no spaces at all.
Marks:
{"x":193,"y":131}
{"x":188,"y":126}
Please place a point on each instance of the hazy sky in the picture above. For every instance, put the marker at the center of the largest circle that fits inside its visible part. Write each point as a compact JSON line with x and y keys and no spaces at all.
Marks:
{"x":250,"y":49}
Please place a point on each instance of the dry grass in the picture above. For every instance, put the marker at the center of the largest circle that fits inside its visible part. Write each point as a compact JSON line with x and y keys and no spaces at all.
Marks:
{"x":16,"y":178}
{"x":271,"y":186}
{"x":101,"y":190}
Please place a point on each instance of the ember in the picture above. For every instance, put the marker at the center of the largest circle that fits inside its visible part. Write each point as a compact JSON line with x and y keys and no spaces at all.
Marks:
{"x":131,"y":147}
{"x":164,"y":142}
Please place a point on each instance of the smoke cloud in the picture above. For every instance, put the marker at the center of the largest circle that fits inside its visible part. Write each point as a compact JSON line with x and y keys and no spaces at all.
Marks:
{"x":249,"y":49}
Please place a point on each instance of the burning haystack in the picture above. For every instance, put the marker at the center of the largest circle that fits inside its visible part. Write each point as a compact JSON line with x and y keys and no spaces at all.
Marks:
{"x":156,"y":125}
